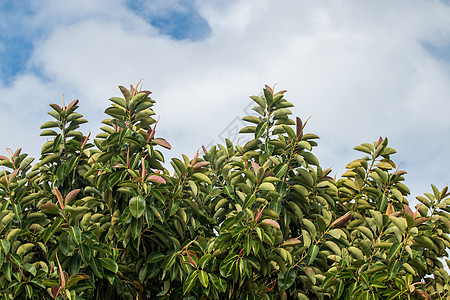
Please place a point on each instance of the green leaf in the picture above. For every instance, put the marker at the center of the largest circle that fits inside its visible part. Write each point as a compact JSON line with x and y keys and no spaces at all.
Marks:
{"x":409,"y":269}
{"x":260,"y":130}
{"x":67,"y":244}
{"x":7,"y":270}
{"x":16,"y":259}
{"x":203,"y":261}
{"x":366,"y":231}
{"x":282,"y":111}
{"x":50,"y":124}
{"x":334,"y":247}
{"x":169,"y":261}
{"x":219,"y":283}
{"x":136,"y":227}
{"x":5,"y":245}
{"x":290,"y":132}
{"x":49,"y":132}
{"x":90,"y":236}
{"x":96,"y":267}
{"x":249,"y":200}
{"x":259,"y":101}
{"x":190,"y":282}
{"x":25,"y":163}
{"x":203,"y":278}
{"x":266,"y":186}
{"x":310,"y":227}
{"x":116,"y":112}
{"x":268,"y":94}
{"x":286,"y":279}
{"x":252,"y":119}
{"x":393,"y":268}
{"x":201,"y":177}
{"x":76,"y":234}
{"x":248,"y":129}
{"x":235,"y":270}
{"x":400,"y":222}
{"x":155,"y":257}
{"x":119,"y":101}
{"x":29,"y":291}
{"x":137,"y":206}
{"x":52,"y":229}
{"x":363,"y":149}
{"x":24,"y":248}
{"x":138,"y":98}
{"x":394,"y":250}
{"x":312,"y":254}
{"x":75,"y":278}
{"x":109,"y":264}
{"x":357,"y":252}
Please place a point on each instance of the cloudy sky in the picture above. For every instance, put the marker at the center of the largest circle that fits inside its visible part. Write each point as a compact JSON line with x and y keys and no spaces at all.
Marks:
{"x":361,"y":69}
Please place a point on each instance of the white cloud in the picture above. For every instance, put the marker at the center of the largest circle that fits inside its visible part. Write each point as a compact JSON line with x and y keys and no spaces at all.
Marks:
{"x":358,"y":67}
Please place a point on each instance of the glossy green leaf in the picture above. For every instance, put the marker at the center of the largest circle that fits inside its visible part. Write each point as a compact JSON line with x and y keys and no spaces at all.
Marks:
{"x":190,"y":282}
{"x":394,"y":250}
{"x":201,"y":177}
{"x":219,"y":283}
{"x":312,"y":254}
{"x":137,"y":206}
{"x":67,"y":244}
{"x":109,"y":264}
{"x":75,"y":232}
{"x":260,"y":130}
{"x":286,"y":279}
{"x":5,"y":245}
{"x":203,"y":278}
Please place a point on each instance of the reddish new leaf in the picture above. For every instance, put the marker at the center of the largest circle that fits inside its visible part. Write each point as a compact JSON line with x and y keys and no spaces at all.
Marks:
{"x":146,"y":92}
{"x":59,"y":197}
{"x":194,"y":161}
{"x":342,"y":220}
{"x":128,"y":158}
{"x":56,"y":107}
{"x":408,"y":210}
{"x":423,"y":294}
{"x":400,"y":173}
{"x":156,"y":179}
{"x":200,"y":164}
{"x":151,"y":133}
{"x":271,"y":222}
{"x":85,"y":140}
{"x":380,"y":140}
{"x":55,"y":291}
{"x":255,"y":167}
{"x":62,"y":277}
{"x":70,"y":196}
{"x":72,"y":104}
{"x":326,"y":172}
{"x":204,"y":149}
{"x":389,"y":209}
{"x":299,"y":127}
{"x":17,"y":153}
{"x":162,"y":142}
{"x":291,"y":242}
{"x":13,"y":175}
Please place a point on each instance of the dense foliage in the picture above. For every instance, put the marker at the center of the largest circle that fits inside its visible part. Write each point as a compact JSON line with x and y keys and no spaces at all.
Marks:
{"x":106,"y":220}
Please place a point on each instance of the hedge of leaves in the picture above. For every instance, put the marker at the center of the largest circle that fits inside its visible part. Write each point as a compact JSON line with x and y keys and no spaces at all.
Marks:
{"x":104,"y":219}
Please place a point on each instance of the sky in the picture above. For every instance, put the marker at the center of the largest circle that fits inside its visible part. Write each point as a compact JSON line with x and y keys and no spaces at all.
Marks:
{"x":360,"y":69}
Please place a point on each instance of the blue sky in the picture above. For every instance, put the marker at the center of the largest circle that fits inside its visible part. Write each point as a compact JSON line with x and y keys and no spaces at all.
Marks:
{"x":361,"y":69}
